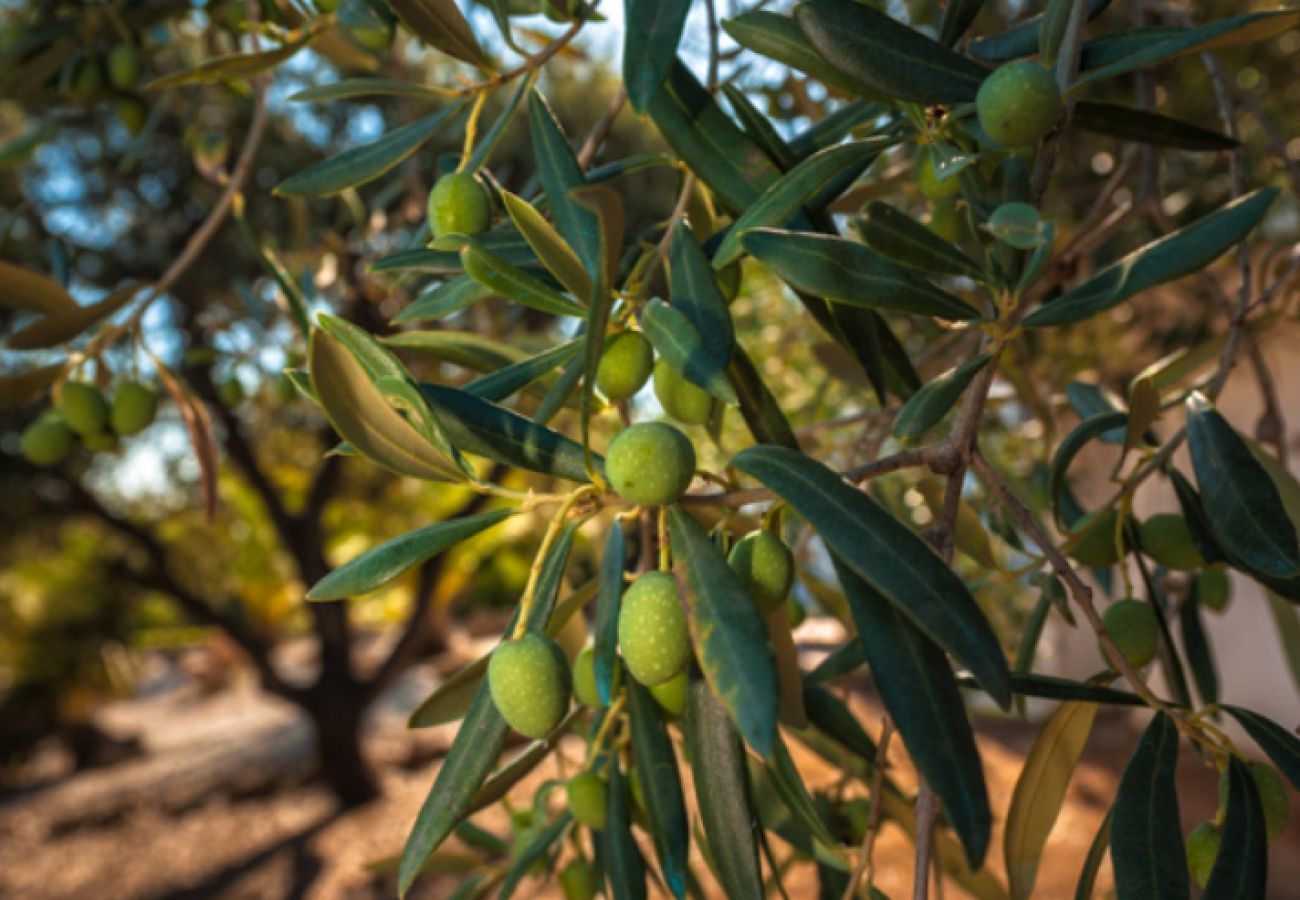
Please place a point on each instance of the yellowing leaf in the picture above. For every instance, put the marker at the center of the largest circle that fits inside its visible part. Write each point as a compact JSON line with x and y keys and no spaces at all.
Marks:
{"x":57,"y":328}
{"x":28,"y":291}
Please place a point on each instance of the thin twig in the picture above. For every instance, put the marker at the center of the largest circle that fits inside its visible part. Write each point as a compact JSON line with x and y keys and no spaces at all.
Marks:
{"x":863,"y":866}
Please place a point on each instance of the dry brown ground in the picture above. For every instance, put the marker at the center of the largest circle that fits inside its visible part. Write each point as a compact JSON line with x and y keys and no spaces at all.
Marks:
{"x":221,"y":807}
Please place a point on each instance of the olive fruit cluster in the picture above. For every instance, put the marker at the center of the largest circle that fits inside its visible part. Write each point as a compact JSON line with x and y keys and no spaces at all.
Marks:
{"x":83,"y":412}
{"x":628,"y":363}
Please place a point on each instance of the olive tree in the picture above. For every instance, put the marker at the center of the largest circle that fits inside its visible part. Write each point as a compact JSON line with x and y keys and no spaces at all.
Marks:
{"x":912,"y":230}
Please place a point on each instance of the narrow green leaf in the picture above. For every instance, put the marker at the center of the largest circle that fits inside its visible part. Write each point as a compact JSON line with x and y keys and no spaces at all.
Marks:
{"x":515,"y":284}
{"x":1040,"y":792}
{"x":1243,"y":29}
{"x":1173,"y":256}
{"x":613,"y":562}
{"x":1021,"y":39}
{"x":895,"y":60}
{"x":485,"y":429}
{"x":443,"y":299}
{"x":917,"y":687}
{"x":1197,"y":649}
{"x":759,"y":408}
{"x":1146,"y":844}
{"x":1050,"y":687}
{"x":467,"y":349}
{"x":21,"y":388}
{"x":28,"y":291}
{"x":682,"y":346}
{"x":451,"y":700}
{"x":443,"y":258}
{"x":652,"y":31}
{"x":785,"y":197}
{"x":518,"y":768}
{"x":515,"y":377}
{"x":931,"y":403}
{"x":1280,"y":745}
{"x":893,"y":559}
{"x":1078,"y":438}
{"x":846,"y":271}
{"x":545,"y":241}
{"x":833,"y":718}
{"x":1092,"y":862}
{"x":235,"y":65}
{"x":726,"y":811}
{"x":488,"y":141}
{"x":532,"y":855}
{"x":1243,"y":504}
{"x":352,"y":88}
{"x":779,"y":37}
{"x":788,"y":784}
{"x":439,"y":24}
{"x":958,"y":16}
{"x":1241,"y":869}
{"x":358,"y":411}
{"x":1143,"y":410}
{"x":662,"y":786}
{"x":729,"y":636}
{"x":624,"y":867}
{"x":704,"y":138}
{"x":381,"y":564}
{"x":696,"y":293}
{"x":893,"y":233}
{"x":1146,"y":127}
{"x":560,"y":175}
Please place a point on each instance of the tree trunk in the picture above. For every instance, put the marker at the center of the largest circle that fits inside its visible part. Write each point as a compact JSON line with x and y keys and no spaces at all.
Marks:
{"x":336,"y":718}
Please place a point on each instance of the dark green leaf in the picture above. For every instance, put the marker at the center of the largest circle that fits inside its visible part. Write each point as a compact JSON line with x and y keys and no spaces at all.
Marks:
{"x":367,"y":162}
{"x":895,"y":60}
{"x":443,"y":299}
{"x":652,"y":31}
{"x":1200,"y":656}
{"x":1280,"y":745}
{"x":351,"y":88}
{"x":485,"y":429}
{"x":1078,"y":438}
{"x":1113,"y":46}
{"x":917,"y":687}
{"x":536,"y":851}
{"x":696,"y":293}
{"x":758,"y":406}
{"x":893,"y":233}
{"x":1241,"y":868}
{"x":834,"y":719}
{"x":1241,"y":500}
{"x":1146,"y":844}
{"x":605,"y":631}
{"x":515,"y":284}
{"x":682,"y":346}
{"x":624,"y":867}
{"x":958,"y":16}
{"x":451,"y":699}
{"x":507,"y":245}
{"x":1092,"y":862}
{"x":730,"y":638}
{"x":725,"y":808}
{"x":382,"y":564}
{"x":1021,"y":39}
{"x":892,"y":558}
{"x":847,"y":658}
{"x":1198,"y":523}
{"x":233,"y":66}
{"x":785,"y":197}
{"x":1173,"y":256}
{"x":662,"y":786}
{"x":702,"y":136}
{"x":1146,"y":127}
{"x":1050,"y":687}
{"x":788,"y":784}
{"x":1241,"y":29}
{"x":560,"y":174}
{"x":779,"y":38}
{"x":931,"y":403}
{"x":439,"y":23}
{"x":517,"y":376}
{"x":845,"y":271}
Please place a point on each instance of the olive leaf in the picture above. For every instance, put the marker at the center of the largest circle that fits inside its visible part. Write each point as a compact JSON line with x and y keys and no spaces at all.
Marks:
{"x":28,"y":291}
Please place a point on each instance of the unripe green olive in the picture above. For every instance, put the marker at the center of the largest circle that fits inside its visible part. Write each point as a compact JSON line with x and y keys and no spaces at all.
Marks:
{"x":370,"y":38}
{"x":528,"y":679}
{"x":683,"y":400}
{"x":927,"y":178}
{"x":947,"y":220}
{"x":1095,"y":546}
{"x":671,"y":694}
{"x":100,"y":442}
{"x":1166,"y":539}
{"x":132,"y":112}
{"x":134,"y":407}
{"x":584,"y":678}
{"x":587,"y":793}
{"x":1132,"y":625}
{"x":625,"y":365}
{"x":650,"y":463}
{"x":87,"y":80}
{"x":652,"y":629}
{"x":578,"y":881}
{"x":1017,"y":224}
{"x":1018,"y":104}
{"x":459,"y":204}
{"x":765,"y":567}
{"x":46,"y":441}
{"x":1213,"y":588}
{"x":83,"y":407}
{"x":1202,"y":850}
{"x":123,"y":66}
{"x":325,"y":7}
